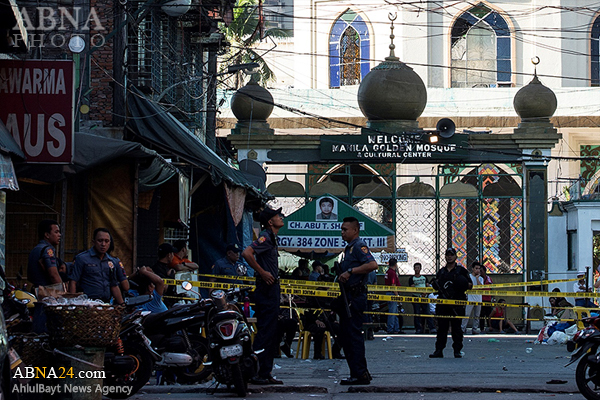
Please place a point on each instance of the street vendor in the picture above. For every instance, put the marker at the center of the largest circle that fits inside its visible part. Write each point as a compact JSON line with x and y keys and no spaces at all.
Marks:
{"x":95,"y":271}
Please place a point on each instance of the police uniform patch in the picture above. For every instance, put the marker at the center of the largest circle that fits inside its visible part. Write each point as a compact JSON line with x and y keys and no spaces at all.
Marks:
{"x":111,"y":265}
{"x":121,"y":265}
{"x":241,"y":269}
{"x":365,"y":249}
{"x":50,"y":252}
{"x":262,"y":239}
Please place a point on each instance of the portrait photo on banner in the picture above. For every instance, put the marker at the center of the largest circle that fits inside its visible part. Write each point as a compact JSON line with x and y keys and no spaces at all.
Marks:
{"x":326,"y":209}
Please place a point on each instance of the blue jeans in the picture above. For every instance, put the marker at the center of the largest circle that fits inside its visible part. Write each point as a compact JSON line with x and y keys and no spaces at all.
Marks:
{"x":423,"y":309}
{"x":393,"y":324}
{"x":584,"y":303}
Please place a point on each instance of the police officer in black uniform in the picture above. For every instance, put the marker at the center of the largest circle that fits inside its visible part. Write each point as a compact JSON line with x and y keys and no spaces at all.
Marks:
{"x":357,"y":264}
{"x":262,"y":255}
{"x":451,"y":281}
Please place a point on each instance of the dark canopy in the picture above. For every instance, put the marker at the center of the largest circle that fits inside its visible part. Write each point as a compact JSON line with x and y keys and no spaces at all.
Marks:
{"x":150,"y":122}
{"x":92,"y":151}
{"x":8,"y":145}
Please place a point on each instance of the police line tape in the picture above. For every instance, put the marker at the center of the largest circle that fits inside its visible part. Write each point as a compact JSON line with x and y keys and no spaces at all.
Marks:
{"x":465,"y":317}
{"x":405,"y":314}
{"x":299,"y":291}
{"x":384,"y":288}
{"x":379,"y":288}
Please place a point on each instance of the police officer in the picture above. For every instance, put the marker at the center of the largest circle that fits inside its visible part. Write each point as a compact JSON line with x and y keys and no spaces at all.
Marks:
{"x":96,"y":271}
{"x":44,"y":266}
{"x":230,"y":264}
{"x":451,"y":281}
{"x":262,"y":255}
{"x":357,"y":264}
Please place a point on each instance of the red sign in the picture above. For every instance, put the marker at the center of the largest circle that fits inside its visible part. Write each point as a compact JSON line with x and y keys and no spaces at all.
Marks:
{"x":36,"y":105}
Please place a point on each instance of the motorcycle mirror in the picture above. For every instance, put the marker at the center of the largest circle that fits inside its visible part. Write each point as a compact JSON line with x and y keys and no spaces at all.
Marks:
{"x":186,"y":285}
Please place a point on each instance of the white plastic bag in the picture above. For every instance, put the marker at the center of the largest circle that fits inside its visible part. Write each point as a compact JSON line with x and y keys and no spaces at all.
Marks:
{"x":558,"y":337}
{"x":571,"y":331}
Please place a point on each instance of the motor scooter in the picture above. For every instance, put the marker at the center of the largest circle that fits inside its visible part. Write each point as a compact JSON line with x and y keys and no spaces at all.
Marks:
{"x":176,"y":336}
{"x":128,"y":364}
{"x":585,"y":348}
{"x":231,"y":358}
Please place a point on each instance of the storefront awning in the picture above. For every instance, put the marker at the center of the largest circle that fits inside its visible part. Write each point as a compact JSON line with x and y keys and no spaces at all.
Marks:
{"x":150,"y":122}
{"x":8,"y":145}
{"x":8,"y":149}
{"x":92,"y":151}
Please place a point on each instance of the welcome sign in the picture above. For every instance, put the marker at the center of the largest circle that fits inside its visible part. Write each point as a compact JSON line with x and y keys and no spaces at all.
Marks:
{"x":317,"y":227}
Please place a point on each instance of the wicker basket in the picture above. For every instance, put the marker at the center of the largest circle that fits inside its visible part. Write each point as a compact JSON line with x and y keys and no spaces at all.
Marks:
{"x":82,"y":325}
{"x":33,"y":349}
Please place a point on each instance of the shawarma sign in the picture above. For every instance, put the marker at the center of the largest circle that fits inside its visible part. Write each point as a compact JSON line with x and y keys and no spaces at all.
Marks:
{"x":416,"y":147}
{"x":317,"y":227}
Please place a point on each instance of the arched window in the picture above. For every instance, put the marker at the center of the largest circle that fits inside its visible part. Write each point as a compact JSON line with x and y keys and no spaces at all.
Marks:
{"x":349,"y":50}
{"x":480,"y":46}
{"x":595,"y":47}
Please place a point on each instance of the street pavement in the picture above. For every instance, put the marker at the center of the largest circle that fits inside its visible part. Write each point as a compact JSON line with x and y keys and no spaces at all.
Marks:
{"x":494,"y":366}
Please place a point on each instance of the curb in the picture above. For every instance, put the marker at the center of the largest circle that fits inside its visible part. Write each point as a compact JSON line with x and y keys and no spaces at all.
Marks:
{"x":352,"y":389}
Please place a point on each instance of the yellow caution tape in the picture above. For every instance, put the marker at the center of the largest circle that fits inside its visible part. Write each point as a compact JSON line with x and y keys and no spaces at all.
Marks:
{"x":202,"y":284}
{"x":229,"y":277}
{"x":533,"y":294}
{"x":530,"y":283}
{"x":304,"y":291}
{"x":383,"y":288}
{"x":379,"y":288}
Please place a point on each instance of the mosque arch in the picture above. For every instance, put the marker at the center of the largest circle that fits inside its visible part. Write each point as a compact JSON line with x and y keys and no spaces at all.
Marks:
{"x":481,"y":48}
{"x":349,"y":50}
{"x":488,"y":228}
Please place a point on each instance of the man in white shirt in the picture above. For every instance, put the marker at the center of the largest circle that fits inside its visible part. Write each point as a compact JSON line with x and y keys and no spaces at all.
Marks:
{"x":476,"y":279}
{"x":581,"y":287}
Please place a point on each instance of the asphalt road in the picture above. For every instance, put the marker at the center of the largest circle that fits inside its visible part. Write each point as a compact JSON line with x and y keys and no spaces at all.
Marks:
{"x":401,"y":368}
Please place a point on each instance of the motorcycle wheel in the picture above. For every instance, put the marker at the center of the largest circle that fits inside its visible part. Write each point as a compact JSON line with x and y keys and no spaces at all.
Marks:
{"x":240,"y":384}
{"x":197,"y":372}
{"x":138,"y":378}
{"x":585,"y":377}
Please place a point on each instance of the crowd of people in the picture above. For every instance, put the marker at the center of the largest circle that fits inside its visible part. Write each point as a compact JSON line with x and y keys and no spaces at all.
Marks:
{"x":100,"y":275}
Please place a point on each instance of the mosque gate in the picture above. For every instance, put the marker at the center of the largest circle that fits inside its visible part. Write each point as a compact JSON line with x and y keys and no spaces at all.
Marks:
{"x":475,"y":208}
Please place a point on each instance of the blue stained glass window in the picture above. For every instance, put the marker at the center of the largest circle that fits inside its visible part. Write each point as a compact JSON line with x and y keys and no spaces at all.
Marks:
{"x":349,"y":50}
{"x":595,"y":53}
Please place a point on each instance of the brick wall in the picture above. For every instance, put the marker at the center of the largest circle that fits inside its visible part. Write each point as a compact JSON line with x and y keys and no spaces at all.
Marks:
{"x":101,"y":64}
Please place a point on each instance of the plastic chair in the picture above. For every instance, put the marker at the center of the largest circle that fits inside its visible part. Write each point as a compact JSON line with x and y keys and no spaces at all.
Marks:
{"x":581,"y":313}
{"x":305,"y":337}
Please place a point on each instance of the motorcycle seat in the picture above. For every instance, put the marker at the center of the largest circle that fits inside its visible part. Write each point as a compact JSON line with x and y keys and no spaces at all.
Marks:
{"x":177,"y":309}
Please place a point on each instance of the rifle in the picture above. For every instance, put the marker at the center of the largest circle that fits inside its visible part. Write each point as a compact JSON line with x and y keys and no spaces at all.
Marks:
{"x":338,"y":270}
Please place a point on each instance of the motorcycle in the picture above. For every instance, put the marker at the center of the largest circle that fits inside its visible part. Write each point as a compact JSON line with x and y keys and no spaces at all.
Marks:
{"x":231,"y":358}
{"x":176,"y":336}
{"x":128,"y":364}
{"x":585,"y":345}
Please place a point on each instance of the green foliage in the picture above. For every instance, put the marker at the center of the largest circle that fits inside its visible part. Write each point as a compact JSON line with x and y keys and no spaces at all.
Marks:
{"x":243,"y":35}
